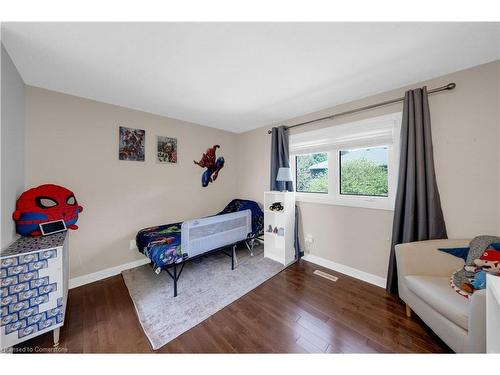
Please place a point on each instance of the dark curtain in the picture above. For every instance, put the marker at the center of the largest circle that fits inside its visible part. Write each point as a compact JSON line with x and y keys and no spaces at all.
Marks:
{"x":417,"y":213}
{"x":280,"y":158}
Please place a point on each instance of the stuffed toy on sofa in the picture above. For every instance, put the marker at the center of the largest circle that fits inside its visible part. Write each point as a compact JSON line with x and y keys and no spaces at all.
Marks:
{"x":489,"y":261}
{"x":479,"y":281}
{"x":482,"y":256}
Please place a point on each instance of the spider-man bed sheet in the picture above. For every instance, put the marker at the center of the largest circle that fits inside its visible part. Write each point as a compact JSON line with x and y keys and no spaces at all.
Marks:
{"x":162,"y":244}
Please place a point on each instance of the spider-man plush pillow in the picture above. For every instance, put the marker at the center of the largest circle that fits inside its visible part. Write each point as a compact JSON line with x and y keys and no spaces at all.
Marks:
{"x":42,"y":204}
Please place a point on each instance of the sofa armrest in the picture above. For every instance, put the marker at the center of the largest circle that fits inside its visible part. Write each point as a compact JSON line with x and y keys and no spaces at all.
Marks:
{"x":477,"y":322}
{"x":424,"y":258}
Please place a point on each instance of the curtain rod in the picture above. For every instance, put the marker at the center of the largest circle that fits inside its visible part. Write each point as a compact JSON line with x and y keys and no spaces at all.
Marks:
{"x":449,"y":86}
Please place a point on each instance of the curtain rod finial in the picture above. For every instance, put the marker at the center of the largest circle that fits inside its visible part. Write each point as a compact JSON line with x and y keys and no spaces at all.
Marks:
{"x":451,"y":86}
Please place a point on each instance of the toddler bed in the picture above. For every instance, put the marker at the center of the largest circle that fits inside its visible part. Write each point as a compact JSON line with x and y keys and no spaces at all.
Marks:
{"x":170,"y":245}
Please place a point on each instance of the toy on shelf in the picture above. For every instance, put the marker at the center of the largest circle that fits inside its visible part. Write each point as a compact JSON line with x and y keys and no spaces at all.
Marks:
{"x":45,"y":203}
{"x":278,"y":231}
{"x":276,"y":206}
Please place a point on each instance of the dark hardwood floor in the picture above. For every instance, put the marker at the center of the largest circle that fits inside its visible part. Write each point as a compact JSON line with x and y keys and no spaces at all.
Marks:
{"x":293,"y":312}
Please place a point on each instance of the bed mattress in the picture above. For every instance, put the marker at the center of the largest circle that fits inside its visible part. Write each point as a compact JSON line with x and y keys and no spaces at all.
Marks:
{"x":162,"y":243}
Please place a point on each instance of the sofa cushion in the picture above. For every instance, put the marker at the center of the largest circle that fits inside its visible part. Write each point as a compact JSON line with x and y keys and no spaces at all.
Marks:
{"x":437,"y":293}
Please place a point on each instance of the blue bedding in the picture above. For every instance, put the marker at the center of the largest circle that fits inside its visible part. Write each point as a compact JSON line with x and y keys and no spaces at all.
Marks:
{"x":162,"y":244}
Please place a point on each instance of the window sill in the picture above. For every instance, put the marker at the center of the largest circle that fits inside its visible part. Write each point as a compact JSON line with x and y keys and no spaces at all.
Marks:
{"x":358,"y":202}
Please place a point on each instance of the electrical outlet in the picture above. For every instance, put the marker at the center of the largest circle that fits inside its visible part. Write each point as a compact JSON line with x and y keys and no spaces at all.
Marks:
{"x":133,"y":245}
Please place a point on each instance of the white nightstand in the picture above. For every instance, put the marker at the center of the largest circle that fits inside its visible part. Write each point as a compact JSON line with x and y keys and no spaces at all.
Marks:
{"x":279,"y":242}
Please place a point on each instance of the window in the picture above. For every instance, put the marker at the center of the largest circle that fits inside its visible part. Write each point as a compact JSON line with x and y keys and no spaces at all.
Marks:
{"x":364,"y":172}
{"x":311,"y":173}
{"x":352,"y":164}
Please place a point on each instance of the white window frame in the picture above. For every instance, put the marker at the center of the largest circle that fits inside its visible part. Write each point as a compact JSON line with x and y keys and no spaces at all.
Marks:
{"x":373,"y":132}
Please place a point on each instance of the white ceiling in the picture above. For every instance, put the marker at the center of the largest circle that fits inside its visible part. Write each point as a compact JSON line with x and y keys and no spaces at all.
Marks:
{"x":240,"y":76}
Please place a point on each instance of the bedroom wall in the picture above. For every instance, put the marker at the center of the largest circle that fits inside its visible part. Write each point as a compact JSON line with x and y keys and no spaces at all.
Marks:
{"x":466,"y":133}
{"x":12,"y":146}
{"x":73,"y":142}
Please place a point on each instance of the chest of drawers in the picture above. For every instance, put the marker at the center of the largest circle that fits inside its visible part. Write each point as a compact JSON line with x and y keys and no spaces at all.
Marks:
{"x":33,"y":288}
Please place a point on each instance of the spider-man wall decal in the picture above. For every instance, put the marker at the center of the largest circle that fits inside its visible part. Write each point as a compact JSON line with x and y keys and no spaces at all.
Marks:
{"x":212,"y":165}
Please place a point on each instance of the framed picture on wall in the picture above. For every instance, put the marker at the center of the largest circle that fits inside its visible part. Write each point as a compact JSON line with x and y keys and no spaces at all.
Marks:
{"x":131,"y":144}
{"x":166,"y":149}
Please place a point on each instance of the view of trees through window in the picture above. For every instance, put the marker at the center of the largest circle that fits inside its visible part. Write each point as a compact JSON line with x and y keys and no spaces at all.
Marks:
{"x":312,"y":173}
{"x":364,"y":172}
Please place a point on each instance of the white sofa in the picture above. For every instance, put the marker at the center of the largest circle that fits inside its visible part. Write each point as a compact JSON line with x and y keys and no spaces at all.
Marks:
{"x":424,"y":285}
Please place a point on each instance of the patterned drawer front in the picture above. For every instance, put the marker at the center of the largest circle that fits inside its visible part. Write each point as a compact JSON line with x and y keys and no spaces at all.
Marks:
{"x":28,"y":312}
{"x":27,"y":331}
{"x":28,"y":258}
{"x":9,"y":319}
{"x":7,"y":281}
{"x":35,"y":319}
{"x":17,"y":288}
{"x":12,"y":327}
{"x":27,"y":294}
{"x":39,"y":282}
{"x":28,"y":276}
{"x":39,"y":300}
{"x":47,"y":288}
{"x":16,"y":270}
{"x":31,"y":296}
{"x":9,"y":262}
{"x":35,"y":266}
{"x":54,"y":312}
{"x":47,"y":323}
{"x":48,"y":254}
{"x":9,"y":300}
{"x":19,"y":306}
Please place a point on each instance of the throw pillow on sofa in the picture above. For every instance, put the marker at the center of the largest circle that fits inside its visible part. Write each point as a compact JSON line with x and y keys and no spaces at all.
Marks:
{"x":459,"y":252}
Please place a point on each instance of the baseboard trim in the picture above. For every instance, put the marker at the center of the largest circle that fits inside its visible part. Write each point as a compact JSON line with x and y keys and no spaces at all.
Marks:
{"x":346,"y":270}
{"x":108,"y":272}
{"x":349,"y":271}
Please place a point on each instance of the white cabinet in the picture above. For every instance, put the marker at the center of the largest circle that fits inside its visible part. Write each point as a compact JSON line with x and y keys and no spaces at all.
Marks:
{"x":279,"y":227}
{"x":34,"y":288}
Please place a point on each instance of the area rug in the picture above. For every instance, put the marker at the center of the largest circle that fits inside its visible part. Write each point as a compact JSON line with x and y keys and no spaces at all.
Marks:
{"x":206,"y":286}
